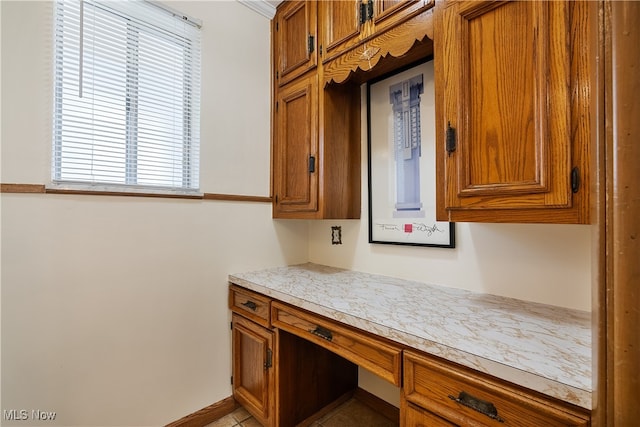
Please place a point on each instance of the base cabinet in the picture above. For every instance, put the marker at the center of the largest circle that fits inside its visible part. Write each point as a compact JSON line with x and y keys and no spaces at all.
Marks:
{"x":281,"y":379}
{"x":253,"y":373}
{"x":290,"y":365}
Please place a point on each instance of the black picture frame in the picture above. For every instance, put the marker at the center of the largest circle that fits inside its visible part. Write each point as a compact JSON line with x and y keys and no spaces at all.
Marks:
{"x":401,"y":159}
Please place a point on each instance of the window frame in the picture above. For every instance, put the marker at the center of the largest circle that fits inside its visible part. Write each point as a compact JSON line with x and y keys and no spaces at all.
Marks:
{"x":189,"y":166}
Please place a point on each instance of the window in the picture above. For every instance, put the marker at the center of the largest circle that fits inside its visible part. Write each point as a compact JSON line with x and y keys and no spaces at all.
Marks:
{"x":127,"y":97}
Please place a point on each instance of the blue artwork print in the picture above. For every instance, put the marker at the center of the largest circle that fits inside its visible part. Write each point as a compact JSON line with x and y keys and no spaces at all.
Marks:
{"x":405,"y":99}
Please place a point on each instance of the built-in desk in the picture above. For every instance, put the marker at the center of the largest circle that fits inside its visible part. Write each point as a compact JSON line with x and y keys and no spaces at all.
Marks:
{"x":542,"y":348}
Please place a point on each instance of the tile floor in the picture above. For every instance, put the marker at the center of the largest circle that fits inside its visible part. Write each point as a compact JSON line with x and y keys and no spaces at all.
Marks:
{"x":352,"y":413}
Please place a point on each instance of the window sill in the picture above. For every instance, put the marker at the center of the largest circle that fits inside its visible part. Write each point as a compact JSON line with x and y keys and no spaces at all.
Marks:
{"x":42,"y":189}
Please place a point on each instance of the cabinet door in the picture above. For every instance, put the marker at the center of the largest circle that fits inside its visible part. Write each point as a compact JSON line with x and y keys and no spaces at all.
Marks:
{"x":296,"y":39}
{"x":386,"y":9}
{"x":339,"y":24}
{"x":253,"y":376}
{"x":504,"y":108}
{"x":296,"y":162}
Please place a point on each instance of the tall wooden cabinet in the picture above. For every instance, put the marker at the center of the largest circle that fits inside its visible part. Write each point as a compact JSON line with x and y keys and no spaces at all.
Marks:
{"x":316,"y":137}
{"x":514,"y":110}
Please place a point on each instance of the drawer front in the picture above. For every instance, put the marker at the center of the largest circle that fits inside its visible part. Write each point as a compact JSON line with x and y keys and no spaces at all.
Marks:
{"x":250,"y":304}
{"x":415,"y":416}
{"x":380,"y":357}
{"x":466,"y":397}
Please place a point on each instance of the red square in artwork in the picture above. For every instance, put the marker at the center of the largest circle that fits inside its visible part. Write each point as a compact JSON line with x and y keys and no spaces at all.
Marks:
{"x":408,"y":228}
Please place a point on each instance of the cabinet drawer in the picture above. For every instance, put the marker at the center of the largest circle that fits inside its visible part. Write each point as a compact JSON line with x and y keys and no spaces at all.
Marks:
{"x":250,"y":304}
{"x":381,"y":357}
{"x":415,"y":416}
{"x":466,"y":397}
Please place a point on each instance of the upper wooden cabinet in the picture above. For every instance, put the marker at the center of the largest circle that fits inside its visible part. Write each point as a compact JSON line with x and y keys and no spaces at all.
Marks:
{"x":295,"y":27}
{"x":295,"y":148}
{"x":513,"y":111}
{"x":316,"y":151}
{"x":316,"y":129}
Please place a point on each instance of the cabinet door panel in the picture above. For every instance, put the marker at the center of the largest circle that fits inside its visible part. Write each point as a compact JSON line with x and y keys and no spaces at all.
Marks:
{"x":386,"y":8}
{"x":341,"y":23}
{"x":296,"y":26}
{"x":505,"y":88}
{"x":252,"y":373}
{"x":296,"y":148}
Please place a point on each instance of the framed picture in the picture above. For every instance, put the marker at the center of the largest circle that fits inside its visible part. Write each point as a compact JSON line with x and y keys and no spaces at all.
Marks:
{"x":401,"y":160}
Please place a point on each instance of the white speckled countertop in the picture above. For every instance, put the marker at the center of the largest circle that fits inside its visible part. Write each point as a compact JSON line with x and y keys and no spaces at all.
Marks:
{"x":542,"y":347}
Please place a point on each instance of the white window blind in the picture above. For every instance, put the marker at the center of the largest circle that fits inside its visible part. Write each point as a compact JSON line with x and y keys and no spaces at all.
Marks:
{"x":127,"y":97}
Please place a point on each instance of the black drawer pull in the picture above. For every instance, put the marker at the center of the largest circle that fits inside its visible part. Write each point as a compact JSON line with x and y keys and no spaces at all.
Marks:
{"x":250,"y":305}
{"x":322,"y":333}
{"x":482,"y":406}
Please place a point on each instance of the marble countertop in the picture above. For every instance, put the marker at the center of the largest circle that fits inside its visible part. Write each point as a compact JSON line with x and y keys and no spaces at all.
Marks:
{"x":541,"y":347}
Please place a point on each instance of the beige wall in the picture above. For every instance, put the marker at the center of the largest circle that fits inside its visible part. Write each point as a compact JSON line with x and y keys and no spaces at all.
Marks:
{"x":114,"y":309}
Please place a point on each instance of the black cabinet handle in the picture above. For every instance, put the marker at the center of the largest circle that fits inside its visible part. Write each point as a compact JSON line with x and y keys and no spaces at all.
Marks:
{"x":269,"y":361}
{"x":310,"y":44}
{"x":479,"y":405}
{"x":312,"y":164}
{"x":250,"y":305}
{"x":575,"y":180}
{"x":450,"y":144}
{"x":322,"y":333}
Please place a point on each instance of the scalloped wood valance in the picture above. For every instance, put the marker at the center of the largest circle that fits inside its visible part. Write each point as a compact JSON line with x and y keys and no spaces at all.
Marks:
{"x":364,"y":57}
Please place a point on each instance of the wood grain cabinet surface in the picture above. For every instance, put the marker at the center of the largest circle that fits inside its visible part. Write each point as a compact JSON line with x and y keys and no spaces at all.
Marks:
{"x":253,"y":373}
{"x":252,"y":305}
{"x":295,"y":39}
{"x":295,"y":149}
{"x":316,"y":151}
{"x":375,"y":354}
{"x":278,"y":377}
{"x":316,"y":129}
{"x":514,"y":111}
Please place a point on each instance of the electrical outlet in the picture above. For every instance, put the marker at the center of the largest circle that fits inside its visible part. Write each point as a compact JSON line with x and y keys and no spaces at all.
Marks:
{"x":336,"y":235}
